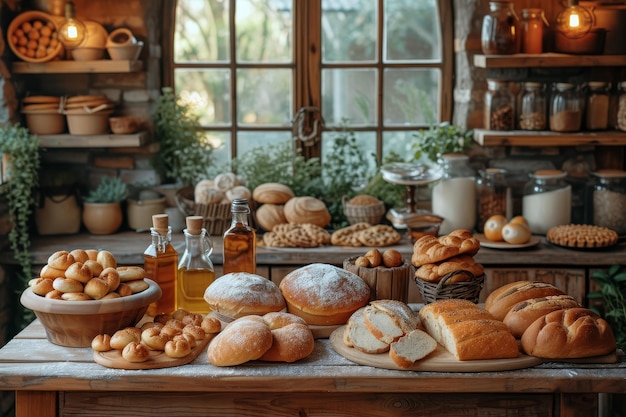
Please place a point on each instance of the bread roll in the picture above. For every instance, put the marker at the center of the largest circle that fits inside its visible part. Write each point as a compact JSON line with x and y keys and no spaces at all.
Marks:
{"x":269,"y":215}
{"x":272,"y":193}
{"x":363,"y":200}
{"x":524,"y":313}
{"x":569,"y":334}
{"x":323,"y":294}
{"x":307,"y":210}
{"x":430,"y":249}
{"x":290,"y":343}
{"x":240,"y":294}
{"x":61,"y":260}
{"x":245,"y":339}
{"x":501,"y":300}
{"x":79,"y":272}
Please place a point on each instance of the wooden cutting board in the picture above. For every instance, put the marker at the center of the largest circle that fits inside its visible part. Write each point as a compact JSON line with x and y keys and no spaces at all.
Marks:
{"x":158,"y":359}
{"x":439,"y":361}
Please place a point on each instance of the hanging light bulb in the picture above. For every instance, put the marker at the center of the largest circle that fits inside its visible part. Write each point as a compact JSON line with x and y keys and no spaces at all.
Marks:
{"x":574,"y":21}
{"x":72,"y":31}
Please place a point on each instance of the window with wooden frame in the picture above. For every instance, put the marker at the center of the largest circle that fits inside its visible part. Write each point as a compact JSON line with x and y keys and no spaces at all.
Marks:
{"x":260,"y":72}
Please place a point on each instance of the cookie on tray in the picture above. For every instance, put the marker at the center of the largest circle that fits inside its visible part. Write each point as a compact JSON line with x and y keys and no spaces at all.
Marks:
{"x":582,"y":236}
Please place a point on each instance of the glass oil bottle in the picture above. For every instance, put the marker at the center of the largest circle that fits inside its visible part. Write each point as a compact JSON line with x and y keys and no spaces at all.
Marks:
{"x":161,"y":263}
{"x":240,"y":240}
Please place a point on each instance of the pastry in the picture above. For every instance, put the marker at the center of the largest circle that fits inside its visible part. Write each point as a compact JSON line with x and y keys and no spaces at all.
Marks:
{"x":135,"y":352}
{"x":111,"y":276}
{"x":430,"y":249}
{"x":524,"y":313}
{"x":582,"y":236}
{"x":177,"y":348}
{"x":41,"y":286}
{"x":435,"y":272}
{"x":348,"y":236}
{"x":106,"y":259}
{"x":67,"y":285}
{"x":79,"y":272}
{"x":61,"y":260}
{"x":379,"y":235}
{"x":96,"y":288}
{"x":130,"y":273}
{"x":101,"y":343}
{"x":153,"y":338}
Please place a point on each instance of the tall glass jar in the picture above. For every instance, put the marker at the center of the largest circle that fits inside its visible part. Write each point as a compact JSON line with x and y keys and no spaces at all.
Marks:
{"x":493,"y":196}
{"x":239,"y":240}
{"x":454,"y":195}
{"x":533,"y":23}
{"x":565,"y":108}
{"x":533,"y":108}
{"x":597,"y":105}
{"x":499,"y":32}
{"x":621,"y":106}
{"x":609,"y":200}
{"x":499,"y":106}
{"x":547,"y":201}
{"x":161,"y":264}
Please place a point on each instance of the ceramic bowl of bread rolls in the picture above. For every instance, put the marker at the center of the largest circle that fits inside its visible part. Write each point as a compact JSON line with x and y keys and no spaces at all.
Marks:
{"x":79,"y":294}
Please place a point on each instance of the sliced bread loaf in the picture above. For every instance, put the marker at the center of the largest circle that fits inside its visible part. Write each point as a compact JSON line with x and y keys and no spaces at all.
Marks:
{"x":411,"y":347}
{"x":358,"y":335}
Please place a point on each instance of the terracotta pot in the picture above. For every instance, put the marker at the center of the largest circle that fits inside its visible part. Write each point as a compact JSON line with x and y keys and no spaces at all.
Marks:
{"x":102,"y":218}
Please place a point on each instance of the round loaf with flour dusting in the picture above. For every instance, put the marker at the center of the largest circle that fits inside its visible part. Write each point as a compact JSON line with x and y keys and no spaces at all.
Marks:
{"x":324,"y":294}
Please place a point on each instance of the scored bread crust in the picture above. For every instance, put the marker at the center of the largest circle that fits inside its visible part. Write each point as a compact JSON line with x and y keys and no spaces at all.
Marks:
{"x":524,"y":313}
{"x":272,"y":193}
{"x":501,"y":300}
{"x":568,"y":334}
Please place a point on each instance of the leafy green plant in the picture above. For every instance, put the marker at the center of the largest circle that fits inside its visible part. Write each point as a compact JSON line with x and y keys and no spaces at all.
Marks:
{"x":441,"y":139}
{"x":393,"y":195}
{"x":22,"y":150}
{"x":184,"y":154}
{"x":110,"y":190}
{"x":612,"y":293}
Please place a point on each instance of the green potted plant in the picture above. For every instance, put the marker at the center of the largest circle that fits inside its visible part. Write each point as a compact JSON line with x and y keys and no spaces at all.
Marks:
{"x":441,"y":139}
{"x":612,"y":297}
{"x":184,"y":154}
{"x":102,"y":209}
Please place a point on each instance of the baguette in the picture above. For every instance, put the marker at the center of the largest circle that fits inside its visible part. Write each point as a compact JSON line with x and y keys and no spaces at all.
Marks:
{"x":501,"y":300}
{"x":524,"y":313}
{"x":569,"y":334}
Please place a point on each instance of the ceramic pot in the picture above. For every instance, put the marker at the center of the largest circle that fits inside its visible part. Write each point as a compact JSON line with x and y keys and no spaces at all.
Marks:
{"x":102,"y":218}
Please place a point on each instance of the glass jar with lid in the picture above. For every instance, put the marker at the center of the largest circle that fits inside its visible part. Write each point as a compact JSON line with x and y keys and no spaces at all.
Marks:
{"x":499,"y":106}
{"x":493,"y":196}
{"x":454,"y":196}
{"x":621,"y":106}
{"x":597,"y":105}
{"x":547,"y":201}
{"x":533,"y":23}
{"x":609,"y":199}
{"x":533,"y":107}
{"x":499,"y":32}
{"x":565,"y":108}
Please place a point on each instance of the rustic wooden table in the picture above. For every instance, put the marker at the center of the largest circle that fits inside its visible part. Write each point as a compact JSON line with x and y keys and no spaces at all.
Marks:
{"x":51,"y":380}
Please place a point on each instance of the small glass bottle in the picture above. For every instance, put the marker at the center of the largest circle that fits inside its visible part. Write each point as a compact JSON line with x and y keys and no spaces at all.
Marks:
{"x":620,"y":122}
{"x":609,"y":200}
{"x":565,"y":108}
{"x":533,"y":23}
{"x":161,"y":264}
{"x":547,"y":201}
{"x":499,"y":31}
{"x":493,"y":196}
{"x":533,"y":109}
{"x":240,"y":240}
{"x":597,"y":106}
{"x":195,"y":269}
{"x":454,"y":195}
{"x":499,"y":106}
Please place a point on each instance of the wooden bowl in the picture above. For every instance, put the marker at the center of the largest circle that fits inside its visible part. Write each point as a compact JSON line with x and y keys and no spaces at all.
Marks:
{"x":76,"y":323}
{"x":15,"y":32}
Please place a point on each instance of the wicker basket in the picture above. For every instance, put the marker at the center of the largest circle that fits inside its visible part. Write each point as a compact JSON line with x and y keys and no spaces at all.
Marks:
{"x":467,"y":290}
{"x":217,"y":217}
{"x":371,"y":214}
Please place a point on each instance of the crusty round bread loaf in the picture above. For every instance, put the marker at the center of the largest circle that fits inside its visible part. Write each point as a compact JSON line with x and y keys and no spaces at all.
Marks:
{"x":269,"y":215}
{"x":290,"y":343}
{"x":307,"y":210}
{"x":242,"y":340}
{"x":241,"y":294}
{"x":501,"y":300}
{"x":272,"y":193}
{"x":524,"y":313}
{"x":324,"y":294}
{"x":568,"y":334}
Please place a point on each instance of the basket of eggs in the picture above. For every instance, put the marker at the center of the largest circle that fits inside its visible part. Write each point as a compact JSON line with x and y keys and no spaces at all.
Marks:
{"x":33,"y":37}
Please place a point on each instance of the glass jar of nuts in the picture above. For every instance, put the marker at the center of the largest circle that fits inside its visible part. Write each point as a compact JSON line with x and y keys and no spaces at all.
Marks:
{"x":493,"y":196}
{"x":532,"y":114}
{"x":499,"y":106}
{"x":609,"y":199}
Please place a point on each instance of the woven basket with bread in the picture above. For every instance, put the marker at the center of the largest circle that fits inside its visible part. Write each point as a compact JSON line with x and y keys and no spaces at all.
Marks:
{"x":363,"y":208}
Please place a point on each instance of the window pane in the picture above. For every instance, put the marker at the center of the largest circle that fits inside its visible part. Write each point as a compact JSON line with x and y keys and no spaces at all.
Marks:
{"x":264,"y":31}
{"x":222,"y":152}
{"x":209,"y":91}
{"x":246,"y":141}
{"x":399,"y":143}
{"x":202,"y":31}
{"x":349,"y":94}
{"x":349,"y":30}
{"x":412,"y":31}
{"x":367,"y":146}
{"x":411,"y":96}
{"x":264,"y":97}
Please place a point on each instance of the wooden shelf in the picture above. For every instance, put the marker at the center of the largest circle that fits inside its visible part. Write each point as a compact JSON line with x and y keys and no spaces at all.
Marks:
{"x":548,"y":60}
{"x":95,"y":141}
{"x":548,"y":138}
{"x":77,"y":67}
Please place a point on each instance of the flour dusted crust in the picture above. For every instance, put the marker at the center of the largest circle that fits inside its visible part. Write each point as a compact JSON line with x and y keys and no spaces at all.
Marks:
{"x":240,"y":294}
{"x":323,"y":294}
{"x":582,"y":236}
{"x":245,"y":339}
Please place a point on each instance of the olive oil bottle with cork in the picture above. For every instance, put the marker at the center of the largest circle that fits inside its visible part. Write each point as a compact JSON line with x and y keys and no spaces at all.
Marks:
{"x":161,"y":264}
{"x":240,"y":240}
{"x":195,"y":269}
